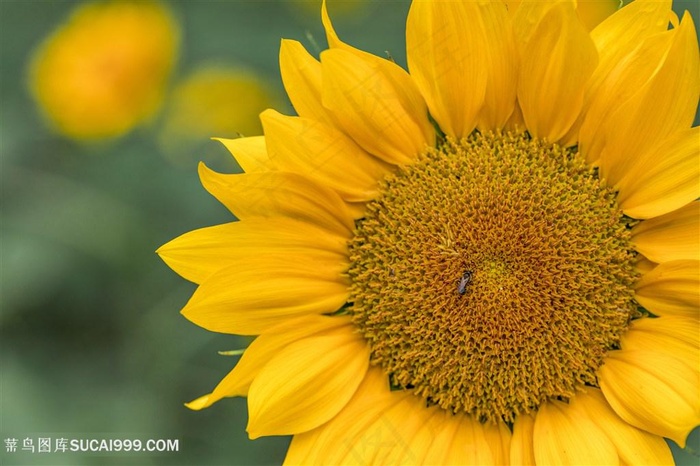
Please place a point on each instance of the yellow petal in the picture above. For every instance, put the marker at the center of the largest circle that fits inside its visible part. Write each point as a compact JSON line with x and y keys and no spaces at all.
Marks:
{"x":644,"y":265}
{"x":593,"y":12}
{"x":522,"y":449}
{"x":615,"y":38}
{"x":470,"y":445}
{"x":664,"y":105}
{"x":663,"y":178}
{"x":516,"y":123}
{"x":260,"y":291}
{"x":250,"y":153}
{"x":502,"y":66}
{"x":622,"y":80}
{"x":322,"y":153}
{"x":557,"y":59}
{"x":672,"y":288}
{"x":634,"y":446}
{"x":653,"y":391}
{"x":377,"y":104}
{"x":434,"y":438}
{"x":279,"y":194}
{"x":263,"y":349}
{"x":320,"y":446}
{"x":563,"y":437}
{"x":676,"y":336}
{"x":407,"y":417}
{"x":629,"y":25}
{"x":198,"y":254}
{"x":362,"y":429}
{"x":674,"y":236}
{"x":307,"y":383}
{"x":331,"y":36}
{"x":449,"y":62}
{"x":498,"y":438}
{"x":301,"y":75}
{"x":334,"y":41}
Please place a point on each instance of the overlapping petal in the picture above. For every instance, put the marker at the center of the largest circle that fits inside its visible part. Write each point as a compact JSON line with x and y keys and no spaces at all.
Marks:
{"x":377,"y":104}
{"x":593,"y":12}
{"x":555,"y":49}
{"x":671,"y":288}
{"x":670,"y":237}
{"x":663,"y":105}
{"x":265,"y":289}
{"x":663,"y":178}
{"x":623,"y":79}
{"x":562,"y":437}
{"x":618,"y":40}
{"x":467,"y":75}
{"x":279,"y":194}
{"x":250,"y":153}
{"x":307,"y":383}
{"x":337,"y":442}
{"x":379,"y":426}
{"x":653,"y":391}
{"x":263,"y":349}
{"x":634,"y":446}
{"x":676,"y":336}
{"x":322,"y":153}
{"x":522,"y":446}
{"x":302,"y":78}
{"x":198,"y":254}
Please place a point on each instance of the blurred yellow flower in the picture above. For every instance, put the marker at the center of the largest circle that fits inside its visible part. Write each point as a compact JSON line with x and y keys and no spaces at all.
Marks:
{"x":105,"y":70}
{"x":215,"y":100}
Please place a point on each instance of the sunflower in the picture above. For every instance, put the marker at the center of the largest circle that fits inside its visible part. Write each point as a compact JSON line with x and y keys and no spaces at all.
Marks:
{"x":491,"y":258}
{"x":105,"y":69}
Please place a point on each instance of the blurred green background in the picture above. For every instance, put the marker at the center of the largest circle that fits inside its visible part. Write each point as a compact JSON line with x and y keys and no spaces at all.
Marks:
{"x":92,"y":342}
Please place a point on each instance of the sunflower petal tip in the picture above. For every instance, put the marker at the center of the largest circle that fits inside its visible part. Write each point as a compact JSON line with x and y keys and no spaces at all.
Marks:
{"x":199,"y":403}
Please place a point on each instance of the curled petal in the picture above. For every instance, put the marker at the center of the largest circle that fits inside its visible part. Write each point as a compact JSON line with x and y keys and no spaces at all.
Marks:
{"x":615,"y":38}
{"x":665,"y":104}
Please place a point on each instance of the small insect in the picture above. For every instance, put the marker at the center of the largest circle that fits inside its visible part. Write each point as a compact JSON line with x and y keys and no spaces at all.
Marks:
{"x":464,"y":281}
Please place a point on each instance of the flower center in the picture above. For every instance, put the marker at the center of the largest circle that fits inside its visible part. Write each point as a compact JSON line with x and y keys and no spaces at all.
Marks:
{"x":492,"y":275}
